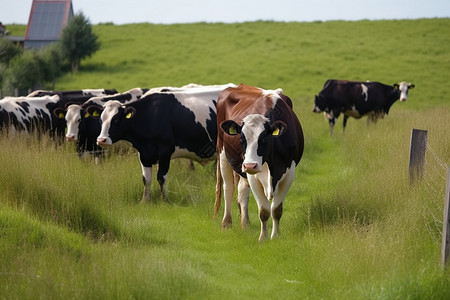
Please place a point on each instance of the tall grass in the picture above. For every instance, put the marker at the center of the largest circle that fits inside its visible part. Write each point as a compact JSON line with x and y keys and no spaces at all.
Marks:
{"x":353,"y":227}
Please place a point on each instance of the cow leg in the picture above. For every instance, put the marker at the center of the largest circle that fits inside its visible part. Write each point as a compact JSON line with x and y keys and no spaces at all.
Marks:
{"x":243,"y":195}
{"x":278,"y":198}
{"x":263,"y":204}
{"x":277,"y":212}
{"x":331,"y":121}
{"x":163,"y":169}
{"x":147,"y":179}
{"x":345,"y":122}
{"x":228,"y":188}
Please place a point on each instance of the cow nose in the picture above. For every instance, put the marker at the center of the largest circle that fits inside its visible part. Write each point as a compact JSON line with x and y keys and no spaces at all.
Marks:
{"x":101,"y":141}
{"x":251,"y":168}
{"x":70,"y":138}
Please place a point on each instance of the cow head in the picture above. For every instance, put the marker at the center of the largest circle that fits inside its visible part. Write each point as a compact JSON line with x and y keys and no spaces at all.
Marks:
{"x":320,"y":105}
{"x":73,"y":118}
{"x":403,"y":88}
{"x":112,"y":117}
{"x":256,"y":135}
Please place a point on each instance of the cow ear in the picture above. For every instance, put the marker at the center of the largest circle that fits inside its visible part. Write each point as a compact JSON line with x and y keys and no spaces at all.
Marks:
{"x":59,"y":112}
{"x":411,"y":85}
{"x":230,"y":127}
{"x":278,"y":128}
{"x":130,"y":112}
{"x":93,"y":111}
{"x":396,"y":86}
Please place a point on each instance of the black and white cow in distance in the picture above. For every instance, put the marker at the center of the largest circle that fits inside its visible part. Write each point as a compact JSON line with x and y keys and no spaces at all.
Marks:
{"x":164,"y":126}
{"x":39,"y":110}
{"x":79,"y":120}
{"x":261,"y":139}
{"x":357,"y":99}
{"x":27,"y":114}
{"x":83,"y":128}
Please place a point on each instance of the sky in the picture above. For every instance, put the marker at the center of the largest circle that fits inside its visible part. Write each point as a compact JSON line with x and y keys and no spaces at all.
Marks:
{"x":231,"y":11}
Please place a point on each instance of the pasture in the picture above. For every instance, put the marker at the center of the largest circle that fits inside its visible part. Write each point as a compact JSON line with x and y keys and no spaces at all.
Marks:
{"x":353,"y":227}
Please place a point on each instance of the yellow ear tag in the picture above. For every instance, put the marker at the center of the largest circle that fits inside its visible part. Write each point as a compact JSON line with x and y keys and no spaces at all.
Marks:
{"x":61,"y":115}
{"x":276,"y":131}
{"x":128,"y":115}
{"x":86,"y":115}
{"x":96,"y":114}
{"x":232,"y":130}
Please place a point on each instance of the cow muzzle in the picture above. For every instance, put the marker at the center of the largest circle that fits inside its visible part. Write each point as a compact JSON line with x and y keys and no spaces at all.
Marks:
{"x":317,"y":110}
{"x":71,"y":138}
{"x":103,"y":142}
{"x":251,"y":168}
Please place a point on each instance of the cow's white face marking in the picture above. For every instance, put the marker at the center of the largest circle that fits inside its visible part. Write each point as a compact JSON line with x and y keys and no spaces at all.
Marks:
{"x":111,"y":108}
{"x":365,"y":91}
{"x":252,"y":129}
{"x":73,"y":118}
{"x":403,"y":87}
{"x":273,"y":94}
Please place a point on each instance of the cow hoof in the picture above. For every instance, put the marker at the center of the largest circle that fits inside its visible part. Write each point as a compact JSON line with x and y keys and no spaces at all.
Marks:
{"x":226,"y":222}
{"x":262,"y":238}
{"x":226,"y":226}
{"x":145,"y":201}
{"x":245,"y":223}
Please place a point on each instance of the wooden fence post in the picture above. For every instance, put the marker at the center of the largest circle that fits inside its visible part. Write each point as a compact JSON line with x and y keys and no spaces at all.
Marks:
{"x":417,"y":154}
{"x":446,"y":226}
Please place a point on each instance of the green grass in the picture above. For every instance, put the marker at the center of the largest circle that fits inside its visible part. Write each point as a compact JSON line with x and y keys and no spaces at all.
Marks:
{"x":353,"y":226}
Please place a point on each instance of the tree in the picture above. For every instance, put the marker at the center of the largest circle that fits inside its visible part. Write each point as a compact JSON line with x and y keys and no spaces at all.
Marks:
{"x":52,"y":59}
{"x":78,"y":41}
{"x":7,"y":52}
{"x":24,"y":72}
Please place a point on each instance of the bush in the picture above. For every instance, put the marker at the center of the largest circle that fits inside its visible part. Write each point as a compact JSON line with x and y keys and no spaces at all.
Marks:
{"x":24,"y":72}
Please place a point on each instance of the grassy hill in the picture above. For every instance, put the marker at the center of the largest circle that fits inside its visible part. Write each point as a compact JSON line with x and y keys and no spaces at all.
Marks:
{"x":353,"y":227}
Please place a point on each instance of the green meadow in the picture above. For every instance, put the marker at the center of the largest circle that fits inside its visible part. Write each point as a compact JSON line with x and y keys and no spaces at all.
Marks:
{"x":353,"y":227}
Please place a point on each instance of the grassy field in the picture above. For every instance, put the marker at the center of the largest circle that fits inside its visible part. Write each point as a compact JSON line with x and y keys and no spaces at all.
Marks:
{"x":353,"y":226}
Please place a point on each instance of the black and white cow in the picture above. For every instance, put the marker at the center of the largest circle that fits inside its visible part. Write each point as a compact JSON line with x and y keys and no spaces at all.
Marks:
{"x":38,"y":111}
{"x":163,"y":126}
{"x":358,"y":98}
{"x":27,"y":114}
{"x":84,"y":128}
{"x":261,"y":139}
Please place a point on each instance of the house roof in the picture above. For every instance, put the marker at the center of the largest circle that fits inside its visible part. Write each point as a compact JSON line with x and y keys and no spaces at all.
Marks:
{"x":47,"y":19}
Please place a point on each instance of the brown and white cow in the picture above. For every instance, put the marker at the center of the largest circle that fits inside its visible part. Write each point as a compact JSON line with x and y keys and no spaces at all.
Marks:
{"x":261,"y":139}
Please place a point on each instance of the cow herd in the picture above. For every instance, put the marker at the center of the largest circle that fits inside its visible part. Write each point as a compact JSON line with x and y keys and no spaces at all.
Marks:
{"x":252,"y":133}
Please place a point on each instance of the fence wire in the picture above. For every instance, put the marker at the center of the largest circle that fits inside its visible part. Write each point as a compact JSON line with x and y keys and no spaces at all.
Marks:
{"x":435,"y":177}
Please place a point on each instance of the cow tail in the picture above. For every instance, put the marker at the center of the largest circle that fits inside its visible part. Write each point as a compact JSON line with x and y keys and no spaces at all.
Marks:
{"x":218,"y":188}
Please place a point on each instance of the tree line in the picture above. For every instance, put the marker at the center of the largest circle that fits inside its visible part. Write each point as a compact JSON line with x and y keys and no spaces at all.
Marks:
{"x":32,"y":69}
